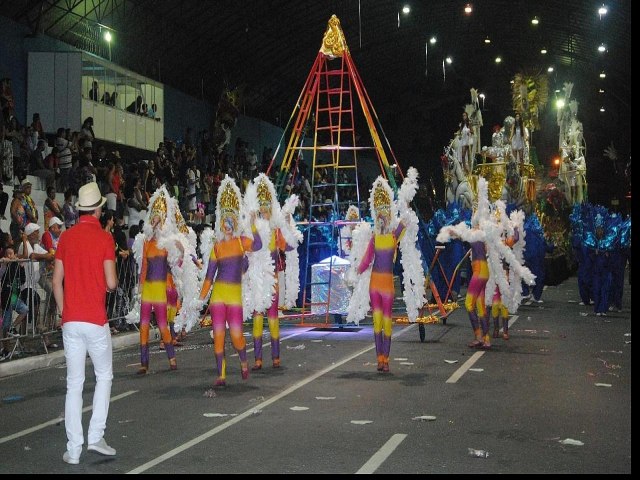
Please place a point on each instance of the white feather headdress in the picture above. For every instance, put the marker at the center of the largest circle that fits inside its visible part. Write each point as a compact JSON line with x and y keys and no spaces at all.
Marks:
{"x":229,"y":198}
{"x":381,"y":196}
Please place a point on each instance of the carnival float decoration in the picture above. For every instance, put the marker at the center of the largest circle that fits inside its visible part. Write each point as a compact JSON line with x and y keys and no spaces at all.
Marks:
{"x":572,"y":171}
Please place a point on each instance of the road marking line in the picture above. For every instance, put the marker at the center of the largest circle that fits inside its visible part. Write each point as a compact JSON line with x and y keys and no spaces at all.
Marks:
{"x":55,"y":421}
{"x":201,"y":438}
{"x":381,"y":455}
{"x":464,"y":367}
{"x":474,"y":358}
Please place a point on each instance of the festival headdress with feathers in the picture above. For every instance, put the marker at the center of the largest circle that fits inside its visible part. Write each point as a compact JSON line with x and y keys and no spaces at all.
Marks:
{"x":353,"y":214}
{"x":267,"y":196}
{"x":381,"y":200}
{"x":228,"y":203}
{"x":159,"y":202}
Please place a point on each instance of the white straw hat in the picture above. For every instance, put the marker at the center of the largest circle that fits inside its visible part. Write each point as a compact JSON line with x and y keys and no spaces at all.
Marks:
{"x":89,"y":197}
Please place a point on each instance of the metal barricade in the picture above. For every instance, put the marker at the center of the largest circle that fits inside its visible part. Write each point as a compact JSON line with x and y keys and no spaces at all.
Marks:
{"x":29,"y":310}
{"x":121,"y":301}
{"x":28,"y":307}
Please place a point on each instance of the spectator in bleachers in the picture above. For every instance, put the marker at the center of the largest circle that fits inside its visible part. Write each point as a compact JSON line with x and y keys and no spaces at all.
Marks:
{"x":192,"y":180}
{"x":4,"y":200}
{"x":135,"y":107}
{"x":6,"y":153}
{"x":6,"y":95}
{"x":86,"y":133}
{"x":52,"y":162}
{"x":69,"y":210}
{"x":31,"y":139}
{"x":65,"y":160}
{"x":136,"y":200}
{"x":106,"y":98}
{"x":105,"y":182}
{"x":13,"y":164}
{"x":29,"y":205}
{"x":93,"y":93}
{"x":37,"y":166}
{"x":51,"y":208}
{"x":252,"y":164}
{"x":85,"y":171}
{"x":49,"y":242}
{"x":36,"y":124}
{"x":18,"y":215}
{"x":74,"y":146}
{"x":100,"y":160}
{"x":118,"y":185}
{"x":30,"y":248}
{"x":10,"y":301}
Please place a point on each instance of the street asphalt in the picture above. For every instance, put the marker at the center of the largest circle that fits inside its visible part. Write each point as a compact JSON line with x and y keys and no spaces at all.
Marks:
{"x":554,"y":398}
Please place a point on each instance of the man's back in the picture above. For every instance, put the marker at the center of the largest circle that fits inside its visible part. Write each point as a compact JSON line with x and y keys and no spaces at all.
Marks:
{"x":83,"y":250}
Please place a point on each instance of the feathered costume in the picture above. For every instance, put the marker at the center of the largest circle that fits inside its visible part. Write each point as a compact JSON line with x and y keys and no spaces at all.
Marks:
{"x":537,"y":248}
{"x":159,"y":252}
{"x":580,"y":252}
{"x":488,"y":251}
{"x":225,"y":262}
{"x":372,"y":258}
{"x":277,"y":226}
{"x":185,"y":280}
{"x":513,"y":235}
{"x":346,"y":231}
{"x":451,"y":256}
{"x":603,"y":241}
{"x":620,"y":257}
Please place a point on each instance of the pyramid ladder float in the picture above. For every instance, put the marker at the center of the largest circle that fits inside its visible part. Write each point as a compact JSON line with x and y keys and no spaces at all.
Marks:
{"x":324,"y":125}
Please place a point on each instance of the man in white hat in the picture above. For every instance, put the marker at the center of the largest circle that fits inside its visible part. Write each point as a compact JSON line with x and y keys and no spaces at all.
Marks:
{"x":51,"y":236}
{"x":84,"y":270}
{"x":30,"y":248}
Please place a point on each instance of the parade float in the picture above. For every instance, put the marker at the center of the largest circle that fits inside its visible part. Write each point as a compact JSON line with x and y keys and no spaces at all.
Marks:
{"x":521,"y":183}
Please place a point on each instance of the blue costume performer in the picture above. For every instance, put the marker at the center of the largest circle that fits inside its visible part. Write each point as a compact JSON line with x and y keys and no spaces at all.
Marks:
{"x":537,"y":248}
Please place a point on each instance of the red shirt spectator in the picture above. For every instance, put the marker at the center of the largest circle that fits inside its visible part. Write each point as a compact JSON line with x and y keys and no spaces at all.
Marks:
{"x":52,"y":235}
{"x":81,"y":279}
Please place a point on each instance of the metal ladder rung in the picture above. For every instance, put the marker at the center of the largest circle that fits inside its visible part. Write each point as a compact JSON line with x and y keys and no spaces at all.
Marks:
{"x":334,"y":109}
{"x":326,"y":165}
{"x":331,"y":72}
{"x":336,"y":90}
